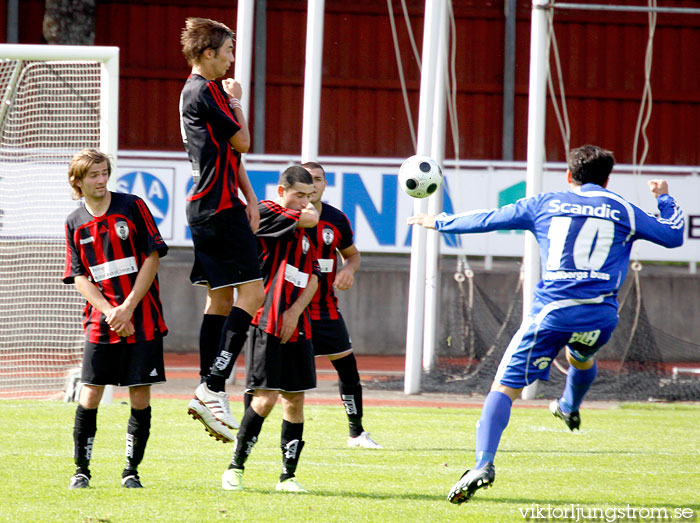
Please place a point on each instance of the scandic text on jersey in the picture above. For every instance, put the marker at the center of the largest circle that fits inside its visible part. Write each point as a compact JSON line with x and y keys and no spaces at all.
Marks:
{"x":601,"y":211}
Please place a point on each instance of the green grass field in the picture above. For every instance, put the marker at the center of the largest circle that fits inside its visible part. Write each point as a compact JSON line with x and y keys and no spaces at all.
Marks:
{"x":641,"y":456}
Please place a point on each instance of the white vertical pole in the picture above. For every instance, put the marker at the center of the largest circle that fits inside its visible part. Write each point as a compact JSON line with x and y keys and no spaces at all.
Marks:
{"x":107,"y":395}
{"x":244,"y":50}
{"x":109,"y":109}
{"x":416,"y":289}
{"x":312,"y":81}
{"x":432,"y":251}
{"x":537,"y":105}
{"x":242,"y":72}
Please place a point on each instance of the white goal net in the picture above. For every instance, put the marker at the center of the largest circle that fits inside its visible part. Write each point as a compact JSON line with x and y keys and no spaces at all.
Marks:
{"x":56,"y":100}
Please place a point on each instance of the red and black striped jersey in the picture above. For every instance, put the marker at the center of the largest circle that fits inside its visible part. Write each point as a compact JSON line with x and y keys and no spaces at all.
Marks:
{"x":110,"y":250}
{"x":207,"y":123}
{"x":287,"y":261}
{"x":333,"y":233}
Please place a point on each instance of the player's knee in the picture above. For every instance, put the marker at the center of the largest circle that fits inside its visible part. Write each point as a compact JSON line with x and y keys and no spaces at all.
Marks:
{"x":293,"y":407}
{"x":90,"y":396}
{"x":263,"y":404}
{"x":140,"y":397}
{"x":251,"y":297}
{"x":219,"y":302}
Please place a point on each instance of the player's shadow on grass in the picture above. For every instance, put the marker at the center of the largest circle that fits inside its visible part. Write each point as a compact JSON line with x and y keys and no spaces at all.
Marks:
{"x":367,"y":495}
{"x":348,"y":494}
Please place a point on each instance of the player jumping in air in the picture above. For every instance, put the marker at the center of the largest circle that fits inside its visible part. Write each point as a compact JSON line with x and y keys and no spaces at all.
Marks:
{"x":215,"y":134}
{"x":585,"y":236}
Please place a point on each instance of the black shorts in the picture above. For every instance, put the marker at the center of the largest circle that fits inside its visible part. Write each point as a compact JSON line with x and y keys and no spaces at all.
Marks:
{"x":271,"y":365}
{"x":225,"y":250}
{"x":123,"y":364}
{"x":330,"y":337}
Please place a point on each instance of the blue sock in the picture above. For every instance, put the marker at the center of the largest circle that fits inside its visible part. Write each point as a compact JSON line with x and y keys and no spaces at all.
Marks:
{"x":494,"y":420}
{"x":577,"y":384}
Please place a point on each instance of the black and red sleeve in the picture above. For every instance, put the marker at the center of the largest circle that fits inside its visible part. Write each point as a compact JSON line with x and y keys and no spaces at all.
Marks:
{"x":149,"y":238}
{"x":276,"y":221}
{"x":73,"y":266}
{"x":220,"y":115}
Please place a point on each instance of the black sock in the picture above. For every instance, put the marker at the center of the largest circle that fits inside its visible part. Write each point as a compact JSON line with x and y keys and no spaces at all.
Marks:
{"x":136,"y":438}
{"x":209,"y":338}
{"x":247,"y":400}
{"x":84,"y":430}
{"x":291,"y":445}
{"x":350,"y":392}
{"x":248,"y":433}
{"x":233,"y":337}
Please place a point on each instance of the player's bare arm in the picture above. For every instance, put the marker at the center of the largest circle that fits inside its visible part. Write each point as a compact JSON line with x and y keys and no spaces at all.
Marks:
{"x":241,"y":140}
{"x":233,"y":88}
{"x":119,"y":317}
{"x":251,"y":209}
{"x":290,"y":317}
{"x":309,"y":217}
{"x":658,"y":187}
{"x":425,"y":220}
{"x":93,"y":295}
{"x":345,"y":278}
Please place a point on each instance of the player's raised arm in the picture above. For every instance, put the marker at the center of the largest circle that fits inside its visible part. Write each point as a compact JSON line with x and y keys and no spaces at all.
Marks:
{"x":668,"y":229}
{"x":658,"y":187}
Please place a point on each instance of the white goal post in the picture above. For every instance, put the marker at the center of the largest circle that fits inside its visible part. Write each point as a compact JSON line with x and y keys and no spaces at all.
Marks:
{"x":56,"y":100}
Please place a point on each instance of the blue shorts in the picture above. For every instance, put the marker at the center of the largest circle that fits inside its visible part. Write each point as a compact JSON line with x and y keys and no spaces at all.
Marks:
{"x":532,"y":349}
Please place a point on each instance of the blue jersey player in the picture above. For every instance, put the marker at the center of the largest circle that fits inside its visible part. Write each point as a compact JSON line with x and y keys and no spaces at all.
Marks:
{"x":585,"y":236}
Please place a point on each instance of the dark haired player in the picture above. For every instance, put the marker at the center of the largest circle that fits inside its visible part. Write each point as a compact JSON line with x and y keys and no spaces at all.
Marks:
{"x":585,"y":236}
{"x":215,"y":134}
{"x":332,"y":236}
{"x":113,"y":251}
{"x":279,"y":355}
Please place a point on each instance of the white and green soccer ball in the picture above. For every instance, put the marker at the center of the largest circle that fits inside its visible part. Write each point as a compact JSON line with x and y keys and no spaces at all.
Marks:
{"x":420,"y":176}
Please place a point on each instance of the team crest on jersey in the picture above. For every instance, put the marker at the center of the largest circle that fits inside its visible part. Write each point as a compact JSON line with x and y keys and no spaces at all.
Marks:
{"x":542,"y":363}
{"x":328,"y":235}
{"x":304,"y":244}
{"x":122,"y":229}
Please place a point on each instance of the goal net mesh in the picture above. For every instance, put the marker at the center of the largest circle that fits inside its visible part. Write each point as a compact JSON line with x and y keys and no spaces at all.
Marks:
{"x":50,"y":110}
{"x":641,"y":362}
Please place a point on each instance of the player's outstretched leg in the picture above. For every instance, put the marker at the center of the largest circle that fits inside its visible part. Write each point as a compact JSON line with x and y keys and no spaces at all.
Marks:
{"x":493,"y":421}
{"x":350,"y":389}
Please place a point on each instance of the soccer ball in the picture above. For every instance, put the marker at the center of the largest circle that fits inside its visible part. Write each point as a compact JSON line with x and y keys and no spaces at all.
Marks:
{"x":420,"y":176}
